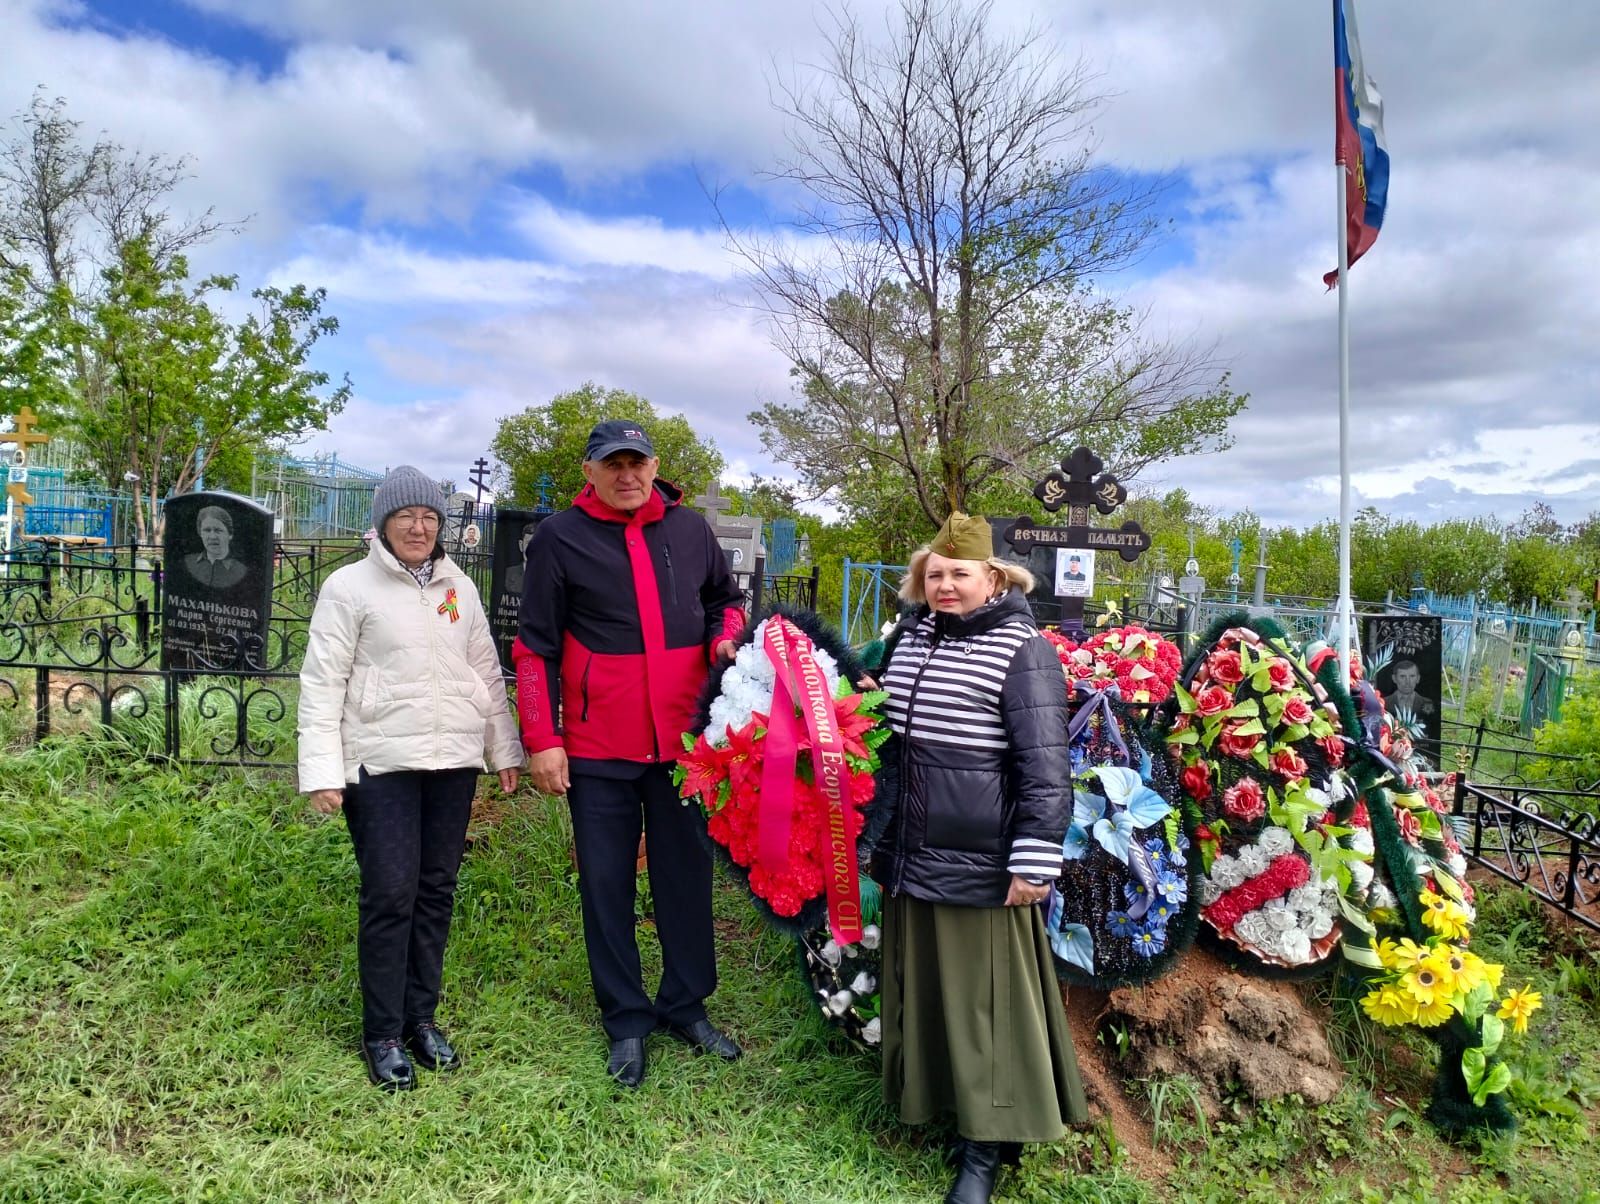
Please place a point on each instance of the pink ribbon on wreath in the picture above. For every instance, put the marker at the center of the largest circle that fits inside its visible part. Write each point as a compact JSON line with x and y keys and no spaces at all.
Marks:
{"x":800,"y":682}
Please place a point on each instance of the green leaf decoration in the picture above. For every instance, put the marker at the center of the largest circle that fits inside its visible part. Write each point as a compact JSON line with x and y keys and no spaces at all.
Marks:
{"x":1247,"y":709}
{"x":688,"y":742}
{"x":1186,"y":703}
{"x":1499,"y":1079}
{"x":1494,"y":1031}
{"x":1364,"y":956}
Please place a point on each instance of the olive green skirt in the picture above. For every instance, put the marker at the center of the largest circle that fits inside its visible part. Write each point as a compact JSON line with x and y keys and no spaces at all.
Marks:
{"x":972,"y":1022}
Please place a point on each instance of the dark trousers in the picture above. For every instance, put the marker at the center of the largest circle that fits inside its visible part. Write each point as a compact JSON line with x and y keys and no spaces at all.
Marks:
{"x":606,"y":817}
{"x":409,"y":830}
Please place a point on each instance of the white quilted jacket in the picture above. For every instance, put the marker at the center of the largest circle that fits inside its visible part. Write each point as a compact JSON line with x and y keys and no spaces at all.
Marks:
{"x":399,"y":677}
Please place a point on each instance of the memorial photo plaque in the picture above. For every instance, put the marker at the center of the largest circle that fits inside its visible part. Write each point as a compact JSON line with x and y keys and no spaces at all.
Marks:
{"x":1406,"y":658}
{"x":217,"y":583}
{"x":513,"y":532}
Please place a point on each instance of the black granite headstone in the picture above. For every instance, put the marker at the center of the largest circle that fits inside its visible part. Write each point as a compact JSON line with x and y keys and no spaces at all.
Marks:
{"x":217,"y":583}
{"x":513,"y":530}
{"x":1408,"y":652}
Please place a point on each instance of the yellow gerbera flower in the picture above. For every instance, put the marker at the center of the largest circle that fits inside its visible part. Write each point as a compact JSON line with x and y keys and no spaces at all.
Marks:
{"x":1437,"y":1012}
{"x":1446,"y":965}
{"x":1468,"y":969}
{"x":1422,"y":983}
{"x":1389,"y":1005}
{"x":1445,"y":916}
{"x":1401,"y":954}
{"x":1518,"y":1006}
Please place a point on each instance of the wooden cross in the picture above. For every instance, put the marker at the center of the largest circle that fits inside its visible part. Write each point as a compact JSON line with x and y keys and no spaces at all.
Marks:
{"x":1079,"y":485}
{"x":22,"y":434}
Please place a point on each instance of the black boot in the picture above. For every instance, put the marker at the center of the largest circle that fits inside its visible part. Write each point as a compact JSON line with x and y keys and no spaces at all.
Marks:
{"x":980,"y":1163}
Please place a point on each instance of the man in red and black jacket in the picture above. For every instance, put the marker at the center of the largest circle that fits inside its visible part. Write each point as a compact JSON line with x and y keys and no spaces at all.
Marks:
{"x":626,"y":599}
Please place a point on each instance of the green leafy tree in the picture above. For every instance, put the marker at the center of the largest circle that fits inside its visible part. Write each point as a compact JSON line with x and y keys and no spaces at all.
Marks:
{"x":180,"y":384}
{"x":548,"y":441}
{"x":946,"y":341}
{"x":1575,"y":734}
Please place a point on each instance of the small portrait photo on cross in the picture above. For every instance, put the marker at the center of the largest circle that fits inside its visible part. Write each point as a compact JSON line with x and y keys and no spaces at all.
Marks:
{"x":1074,"y":573}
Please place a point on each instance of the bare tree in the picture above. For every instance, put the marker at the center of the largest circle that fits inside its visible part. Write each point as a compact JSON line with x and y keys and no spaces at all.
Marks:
{"x":68,"y":208}
{"x":936,"y":302}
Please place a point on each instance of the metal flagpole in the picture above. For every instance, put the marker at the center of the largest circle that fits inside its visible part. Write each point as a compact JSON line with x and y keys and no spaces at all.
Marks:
{"x":1346,"y":611}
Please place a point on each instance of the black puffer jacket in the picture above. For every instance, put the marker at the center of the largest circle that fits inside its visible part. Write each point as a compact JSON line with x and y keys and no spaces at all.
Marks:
{"x":980,"y":709}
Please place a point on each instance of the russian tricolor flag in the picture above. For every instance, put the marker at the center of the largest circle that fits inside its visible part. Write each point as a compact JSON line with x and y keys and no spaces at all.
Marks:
{"x":1358,"y":139}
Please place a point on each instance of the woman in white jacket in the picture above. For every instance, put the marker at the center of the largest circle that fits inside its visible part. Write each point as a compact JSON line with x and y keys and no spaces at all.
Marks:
{"x":401,"y":705}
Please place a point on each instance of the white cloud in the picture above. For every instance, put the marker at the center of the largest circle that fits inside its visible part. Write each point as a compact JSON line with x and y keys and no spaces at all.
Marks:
{"x":575,"y":238}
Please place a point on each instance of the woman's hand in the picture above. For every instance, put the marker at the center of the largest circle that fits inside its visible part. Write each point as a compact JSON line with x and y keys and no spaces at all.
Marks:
{"x":866,"y":682}
{"x":509,"y":779}
{"x":327,"y":801}
{"x":1024,"y":893}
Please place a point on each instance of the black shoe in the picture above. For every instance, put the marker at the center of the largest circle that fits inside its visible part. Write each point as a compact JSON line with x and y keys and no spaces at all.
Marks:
{"x":387,"y":1065}
{"x":430,"y":1048}
{"x":705,"y":1038}
{"x":980,"y":1163}
{"x":626,"y":1063}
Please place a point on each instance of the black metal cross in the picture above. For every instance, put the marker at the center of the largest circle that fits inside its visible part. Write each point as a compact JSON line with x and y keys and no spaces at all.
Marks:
{"x":479,"y":477}
{"x":1079,"y":485}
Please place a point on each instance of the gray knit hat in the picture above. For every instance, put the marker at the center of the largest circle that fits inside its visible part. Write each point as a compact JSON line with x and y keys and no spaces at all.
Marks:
{"x":405,"y":486}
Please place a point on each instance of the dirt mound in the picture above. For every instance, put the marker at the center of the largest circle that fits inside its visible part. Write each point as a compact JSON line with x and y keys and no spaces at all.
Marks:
{"x":1226,"y":1031}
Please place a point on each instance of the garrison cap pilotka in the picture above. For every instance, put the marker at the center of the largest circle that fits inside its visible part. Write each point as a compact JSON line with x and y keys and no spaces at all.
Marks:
{"x":964,"y":537}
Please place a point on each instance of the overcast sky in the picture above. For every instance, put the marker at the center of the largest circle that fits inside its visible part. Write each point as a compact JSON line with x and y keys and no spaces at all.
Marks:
{"x":502,"y":200}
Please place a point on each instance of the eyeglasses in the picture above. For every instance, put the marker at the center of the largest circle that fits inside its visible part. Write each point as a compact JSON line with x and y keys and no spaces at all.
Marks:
{"x":427,"y":520}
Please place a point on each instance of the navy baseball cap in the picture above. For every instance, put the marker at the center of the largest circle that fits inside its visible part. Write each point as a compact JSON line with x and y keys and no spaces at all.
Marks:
{"x":615,"y":435}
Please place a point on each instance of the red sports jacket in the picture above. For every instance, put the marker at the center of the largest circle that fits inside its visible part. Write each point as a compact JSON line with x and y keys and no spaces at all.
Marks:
{"x":622,"y":612}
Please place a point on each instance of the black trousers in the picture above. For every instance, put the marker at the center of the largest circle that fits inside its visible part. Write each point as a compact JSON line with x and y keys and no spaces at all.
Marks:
{"x":409,"y":830}
{"x":606,"y":817}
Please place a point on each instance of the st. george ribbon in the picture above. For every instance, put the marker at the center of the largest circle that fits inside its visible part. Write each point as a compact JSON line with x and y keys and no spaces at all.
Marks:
{"x":800,"y":682}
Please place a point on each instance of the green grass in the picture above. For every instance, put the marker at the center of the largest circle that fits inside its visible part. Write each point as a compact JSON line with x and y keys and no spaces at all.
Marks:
{"x":179,"y":1018}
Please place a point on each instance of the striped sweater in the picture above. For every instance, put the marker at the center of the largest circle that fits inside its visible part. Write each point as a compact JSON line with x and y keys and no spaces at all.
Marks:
{"x":980,"y":708}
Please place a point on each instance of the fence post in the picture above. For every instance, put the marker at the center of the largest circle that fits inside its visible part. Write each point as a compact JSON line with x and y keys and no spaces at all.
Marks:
{"x":844,"y":605}
{"x":816,"y":582}
{"x":41,"y":702}
{"x":757,"y":580}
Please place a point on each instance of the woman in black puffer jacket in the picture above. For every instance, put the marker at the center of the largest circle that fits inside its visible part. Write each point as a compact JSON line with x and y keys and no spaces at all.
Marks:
{"x":972,"y":1019}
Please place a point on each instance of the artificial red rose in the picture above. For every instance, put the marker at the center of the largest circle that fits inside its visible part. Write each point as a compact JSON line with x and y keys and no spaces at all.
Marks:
{"x":1225,"y":667}
{"x":1234,"y":745}
{"x":1196,"y":780}
{"x":1244,"y":800}
{"x":1289,"y":763}
{"x":1204,"y":834}
{"x":1181,"y":723}
{"x":1410,"y":828}
{"x":1213,"y":701}
{"x":1333,"y":749}
{"x":1280,"y":672}
{"x":1359,"y":817}
{"x":1298,"y":710}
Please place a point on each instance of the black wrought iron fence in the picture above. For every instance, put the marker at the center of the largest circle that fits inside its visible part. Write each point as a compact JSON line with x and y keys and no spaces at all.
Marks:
{"x":1546,"y":841}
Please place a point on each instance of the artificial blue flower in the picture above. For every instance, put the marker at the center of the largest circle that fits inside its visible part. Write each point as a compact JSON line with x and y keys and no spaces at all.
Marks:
{"x":1074,"y":945}
{"x":1159,"y":914}
{"x":1120,"y":923}
{"x":1149,"y":939}
{"x":1075,"y":844}
{"x":1172,"y":888}
{"x":1136,"y":893}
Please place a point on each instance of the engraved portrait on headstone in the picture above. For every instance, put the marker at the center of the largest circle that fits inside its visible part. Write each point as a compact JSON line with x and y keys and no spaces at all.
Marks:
{"x":217,"y":588}
{"x":1405,"y":658}
{"x":513,"y":532}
